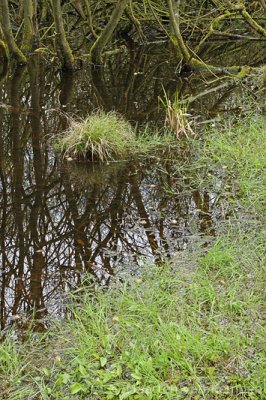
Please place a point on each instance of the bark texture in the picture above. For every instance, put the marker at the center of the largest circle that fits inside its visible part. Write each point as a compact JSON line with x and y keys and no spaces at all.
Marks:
{"x":65,"y":50}
{"x":103,"y":39}
{"x":13,"y":49}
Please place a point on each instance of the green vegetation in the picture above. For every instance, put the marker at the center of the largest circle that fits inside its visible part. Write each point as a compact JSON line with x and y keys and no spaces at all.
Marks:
{"x":240,"y":149}
{"x":176,"y":117}
{"x":192,"y":329}
{"x":104,"y":136}
{"x":100,"y":136}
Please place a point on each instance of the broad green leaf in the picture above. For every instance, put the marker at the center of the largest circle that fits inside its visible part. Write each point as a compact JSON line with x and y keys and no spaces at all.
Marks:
{"x":126,"y":395}
{"x":76,"y":388}
{"x":83,"y":371}
{"x":65,"y":378}
{"x":103,"y":361}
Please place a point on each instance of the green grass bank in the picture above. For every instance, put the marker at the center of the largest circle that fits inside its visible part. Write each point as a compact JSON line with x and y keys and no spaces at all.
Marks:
{"x":191,"y":329}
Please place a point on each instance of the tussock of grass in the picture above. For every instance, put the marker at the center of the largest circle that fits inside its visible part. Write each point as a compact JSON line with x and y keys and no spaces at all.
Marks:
{"x":105,"y":136}
{"x":101,"y":136}
{"x":193,"y":329}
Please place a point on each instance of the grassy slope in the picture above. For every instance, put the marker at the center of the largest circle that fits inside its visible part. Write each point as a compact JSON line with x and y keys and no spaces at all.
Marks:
{"x":191,"y":330}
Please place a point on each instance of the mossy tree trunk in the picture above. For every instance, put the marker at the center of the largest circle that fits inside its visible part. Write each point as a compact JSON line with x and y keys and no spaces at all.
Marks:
{"x":3,"y":47}
{"x":191,"y":58}
{"x":105,"y":36}
{"x":28,"y":30}
{"x":89,"y":17}
{"x":44,"y":10}
{"x":13,"y":49}
{"x":178,"y":41}
{"x":252,"y":23}
{"x":64,"y":47}
{"x":241,"y":8}
{"x":175,"y":23}
{"x":79,"y":8}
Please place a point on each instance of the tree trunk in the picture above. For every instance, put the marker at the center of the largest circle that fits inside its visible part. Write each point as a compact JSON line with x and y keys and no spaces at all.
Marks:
{"x":174,"y":19}
{"x":28,"y":30}
{"x":3,"y":47}
{"x":89,"y":17}
{"x":44,"y":10}
{"x":13,"y":49}
{"x":65,"y":50}
{"x":103,"y":39}
{"x":193,"y":62}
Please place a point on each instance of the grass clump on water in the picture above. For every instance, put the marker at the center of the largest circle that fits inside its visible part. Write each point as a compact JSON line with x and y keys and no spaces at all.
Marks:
{"x":191,"y":329}
{"x":106,"y":136}
{"x":101,"y":136}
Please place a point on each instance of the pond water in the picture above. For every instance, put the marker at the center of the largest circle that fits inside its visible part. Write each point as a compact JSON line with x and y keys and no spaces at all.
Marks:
{"x":59,"y":219}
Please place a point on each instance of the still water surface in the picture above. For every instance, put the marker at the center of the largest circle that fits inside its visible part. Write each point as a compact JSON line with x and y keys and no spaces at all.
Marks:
{"x":59,"y":218}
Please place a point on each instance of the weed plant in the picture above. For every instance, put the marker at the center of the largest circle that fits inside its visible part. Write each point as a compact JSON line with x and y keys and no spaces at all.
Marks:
{"x":191,"y":329}
{"x":177,"y":116}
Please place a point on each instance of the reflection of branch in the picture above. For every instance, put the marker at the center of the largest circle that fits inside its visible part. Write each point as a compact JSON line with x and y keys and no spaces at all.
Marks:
{"x":17,"y":194}
{"x":208,"y":91}
{"x":142,"y":212}
{"x":36,"y":294}
{"x":80,"y":239}
{"x":3,"y":228}
{"x":114,"y":208}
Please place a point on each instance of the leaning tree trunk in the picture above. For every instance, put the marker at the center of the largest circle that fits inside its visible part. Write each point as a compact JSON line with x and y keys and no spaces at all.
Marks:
{"x":65,"y":50}
{"x":190,"y":59}
{"x":13,"y":49}
{"x":175,"y":22}
{"x":178,"y":40}
{"x":103,"y":39}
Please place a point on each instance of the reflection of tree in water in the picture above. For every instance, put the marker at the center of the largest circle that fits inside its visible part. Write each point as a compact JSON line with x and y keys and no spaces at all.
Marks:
{"x":59,"y":219}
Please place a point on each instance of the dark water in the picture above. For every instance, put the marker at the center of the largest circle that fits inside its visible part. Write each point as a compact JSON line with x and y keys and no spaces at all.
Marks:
{"x":58,"y":218}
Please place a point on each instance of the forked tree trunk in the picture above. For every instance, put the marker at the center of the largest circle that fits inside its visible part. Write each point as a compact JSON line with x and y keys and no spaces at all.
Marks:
{"x":178,"y":41}
{"x":105,"y":36}
{"x":65,"y":50}
{"x":13,"y":49}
